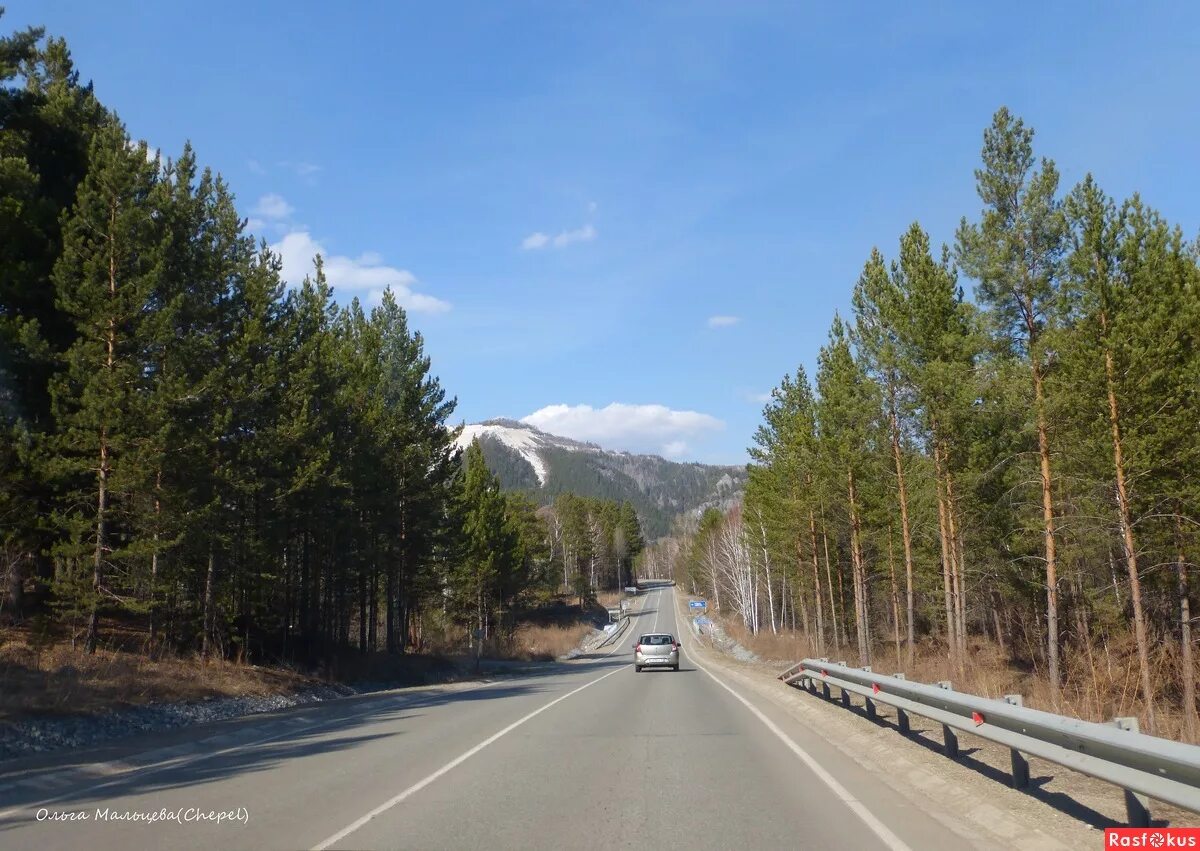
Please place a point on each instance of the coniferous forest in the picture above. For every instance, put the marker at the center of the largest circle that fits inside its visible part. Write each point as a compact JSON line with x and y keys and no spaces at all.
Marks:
{"x":194,"y":450}
{"x":998,"y":454}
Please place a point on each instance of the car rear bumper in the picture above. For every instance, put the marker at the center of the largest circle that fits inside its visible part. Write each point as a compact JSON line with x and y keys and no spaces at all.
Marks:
{"x":648,"y":661}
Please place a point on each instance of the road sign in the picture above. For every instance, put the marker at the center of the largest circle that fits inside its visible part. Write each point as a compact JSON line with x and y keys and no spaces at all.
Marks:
{"x":698,"y":604}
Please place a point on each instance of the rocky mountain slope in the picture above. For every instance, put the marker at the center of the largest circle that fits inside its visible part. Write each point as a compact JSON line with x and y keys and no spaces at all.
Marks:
{"x":545,"y":465}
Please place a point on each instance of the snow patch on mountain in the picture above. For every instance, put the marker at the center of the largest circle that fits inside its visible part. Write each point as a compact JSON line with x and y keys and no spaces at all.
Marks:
{"x":524,"y":441}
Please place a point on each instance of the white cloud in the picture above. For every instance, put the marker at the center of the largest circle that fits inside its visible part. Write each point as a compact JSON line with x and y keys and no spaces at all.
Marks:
{"x":366,"y":277}
{"x":639,"y":428}
{"x":535,"y":241}
{"x":723,"y":321}
{"x":301,"y":168}
{"x":253,"y":224}
{"x":539,"y":240}
{"x":273,"y":206}
{"x":584,"y":234}
{"x":760,"y":397}
{"x":255,"y":167}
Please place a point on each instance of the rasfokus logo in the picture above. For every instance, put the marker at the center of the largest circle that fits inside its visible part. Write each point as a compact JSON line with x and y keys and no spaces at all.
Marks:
{"x":1152,"y":837}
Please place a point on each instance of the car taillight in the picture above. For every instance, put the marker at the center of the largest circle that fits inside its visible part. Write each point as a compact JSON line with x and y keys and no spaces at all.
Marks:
{"x":637,"y":648}
{"x":674,"y":646}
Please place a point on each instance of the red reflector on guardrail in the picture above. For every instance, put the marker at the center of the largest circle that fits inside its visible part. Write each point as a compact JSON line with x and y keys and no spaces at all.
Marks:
{"x":824,"y":673}
{"x":875,"y":687}
{"x":977,"y":718}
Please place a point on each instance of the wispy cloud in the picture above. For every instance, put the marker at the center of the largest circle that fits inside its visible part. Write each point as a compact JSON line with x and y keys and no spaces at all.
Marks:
{"x":723,"y":321}
{"x":255,"y":167}
{"x":365,"y":276}
{"x":535,"y":241}
{"x":638,"y":428}
{"x":306,"y":170}
{"x":538,"y":240}
{"x":273,"y":206}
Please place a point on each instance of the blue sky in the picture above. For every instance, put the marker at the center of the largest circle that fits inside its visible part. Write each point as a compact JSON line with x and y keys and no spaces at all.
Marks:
{"x":630,"y":219}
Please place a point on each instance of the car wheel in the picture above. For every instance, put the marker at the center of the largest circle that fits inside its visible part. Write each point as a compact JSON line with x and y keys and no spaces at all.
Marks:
{"x":674,"y":667}
{"x":637,"y":668}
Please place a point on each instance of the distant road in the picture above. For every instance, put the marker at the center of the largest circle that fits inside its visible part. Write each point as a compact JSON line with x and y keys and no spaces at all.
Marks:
{"x":585,"y":755}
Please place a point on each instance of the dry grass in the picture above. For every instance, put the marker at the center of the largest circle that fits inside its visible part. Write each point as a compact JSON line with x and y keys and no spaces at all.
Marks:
{"x":545,"y":643}
{"x":1099,"y":683}
{"x":62,"y":680}
{"x":46,"y":674}
{"x":610,"y":599}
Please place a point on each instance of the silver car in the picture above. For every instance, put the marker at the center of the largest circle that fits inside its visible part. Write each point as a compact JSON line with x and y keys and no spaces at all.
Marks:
{"x":656,"y":650}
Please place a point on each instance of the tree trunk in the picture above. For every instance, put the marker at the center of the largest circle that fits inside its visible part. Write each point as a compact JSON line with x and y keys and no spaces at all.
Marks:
{"x":856,"y":565}
{"x":905,"y":531}
{"x":767,"y":568}
{"x":812,"y":532}
{"x":1048,"y":522}
{"x":1185,"y":638}
{"x":16,"y":585}
{"x":943,"y":535}
{"x":833,"y":614}
{"x":154,"y":559}
{"x":999,"y":627}
{"x":1135,"y":582}
{"x":895,"y":598}
{"x":956,"y":564}
{"x":209,"y":576}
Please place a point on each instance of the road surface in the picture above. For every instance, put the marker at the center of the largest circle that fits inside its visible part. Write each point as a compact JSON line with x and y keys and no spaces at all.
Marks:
{"x":588,"y":754}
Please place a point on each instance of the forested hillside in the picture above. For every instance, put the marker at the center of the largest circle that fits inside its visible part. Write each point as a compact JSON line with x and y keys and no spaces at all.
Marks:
{"x":193,"y":452}
{"x":545,"y":466}
{"x":1015,"y":468}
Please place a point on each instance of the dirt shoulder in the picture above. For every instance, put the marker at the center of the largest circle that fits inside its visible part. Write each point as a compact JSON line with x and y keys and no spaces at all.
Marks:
{"x":1060,"y":809}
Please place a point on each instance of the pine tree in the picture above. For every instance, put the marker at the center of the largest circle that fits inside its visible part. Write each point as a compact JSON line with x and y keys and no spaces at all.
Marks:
{"x":105,"y":280}
{"x":936,"y":354}
{"x":1098,"y":295}
{"x":878,"y":324}
{"x":1015,"y":253}
{"x":846,"y":415}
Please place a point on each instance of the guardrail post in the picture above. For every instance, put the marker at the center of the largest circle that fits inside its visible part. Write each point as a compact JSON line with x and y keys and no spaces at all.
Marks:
{"x":1020,"y":765}
{"x":901,"y":715}
{"x":869,"y":704}
{"x":845,"y":694}
{"x":1137,"y":806}
{"x":949,"y":738}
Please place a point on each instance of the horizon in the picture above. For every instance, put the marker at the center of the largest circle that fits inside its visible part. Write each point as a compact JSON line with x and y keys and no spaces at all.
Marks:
{"x":625,"y":226}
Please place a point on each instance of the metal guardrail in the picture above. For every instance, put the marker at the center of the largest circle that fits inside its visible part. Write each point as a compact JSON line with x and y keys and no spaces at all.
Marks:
{"x":1144,"y":766}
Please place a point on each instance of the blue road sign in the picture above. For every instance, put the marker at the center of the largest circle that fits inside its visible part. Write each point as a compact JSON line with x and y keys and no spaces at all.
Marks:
{"x":697,"y":604}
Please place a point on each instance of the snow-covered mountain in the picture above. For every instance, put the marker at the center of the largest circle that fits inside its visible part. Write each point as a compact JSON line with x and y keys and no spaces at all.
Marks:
{"x":545,"y":465}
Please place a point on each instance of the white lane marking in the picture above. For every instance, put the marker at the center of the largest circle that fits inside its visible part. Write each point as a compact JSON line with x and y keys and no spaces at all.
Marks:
{"x":177,"y":762}
{"x":457,"y":761}
{"x":877,"y":827}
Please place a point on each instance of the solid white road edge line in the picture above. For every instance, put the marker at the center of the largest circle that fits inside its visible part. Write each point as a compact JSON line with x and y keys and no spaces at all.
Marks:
{"x":877,"y":827}
{"x":457,"y":761}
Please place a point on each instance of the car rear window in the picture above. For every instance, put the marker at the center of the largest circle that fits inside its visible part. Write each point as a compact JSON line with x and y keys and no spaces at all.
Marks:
{"x":658,"y":639}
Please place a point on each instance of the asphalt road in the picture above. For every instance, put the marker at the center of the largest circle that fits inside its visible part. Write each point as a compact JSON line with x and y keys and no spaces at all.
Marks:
{"x":584,"y":755}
